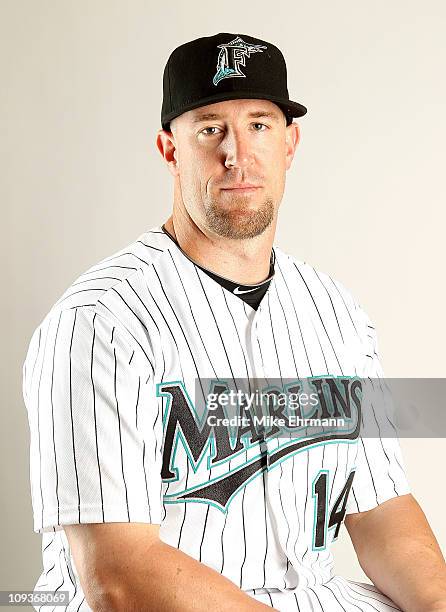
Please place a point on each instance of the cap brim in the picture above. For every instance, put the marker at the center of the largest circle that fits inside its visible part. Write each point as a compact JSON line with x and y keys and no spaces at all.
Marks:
{"x":293,"y":109}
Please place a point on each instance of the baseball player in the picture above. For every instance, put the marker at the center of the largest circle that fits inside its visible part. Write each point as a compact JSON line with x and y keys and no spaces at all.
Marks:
{"x":143,"y":502}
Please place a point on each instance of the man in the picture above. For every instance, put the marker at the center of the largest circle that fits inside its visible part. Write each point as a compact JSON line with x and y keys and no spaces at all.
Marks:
{"x":142,"y":503}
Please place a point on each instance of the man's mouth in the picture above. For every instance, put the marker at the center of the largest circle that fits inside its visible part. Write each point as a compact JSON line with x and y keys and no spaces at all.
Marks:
{"x":241,"y":188}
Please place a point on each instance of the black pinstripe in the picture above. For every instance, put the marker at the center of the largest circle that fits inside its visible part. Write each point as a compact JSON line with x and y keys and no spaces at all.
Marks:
{"x":95,"y":418}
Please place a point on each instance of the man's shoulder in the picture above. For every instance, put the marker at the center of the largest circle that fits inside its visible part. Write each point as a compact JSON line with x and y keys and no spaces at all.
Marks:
{"x":330,"y":301}
{"x":103,"y":282}
{"x":312,"y":278}
{"x":106,"y":296}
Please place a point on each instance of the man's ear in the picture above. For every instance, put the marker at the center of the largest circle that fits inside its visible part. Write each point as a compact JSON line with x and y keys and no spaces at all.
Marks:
{"x":292,"y":137}
{"x":166,"y":144}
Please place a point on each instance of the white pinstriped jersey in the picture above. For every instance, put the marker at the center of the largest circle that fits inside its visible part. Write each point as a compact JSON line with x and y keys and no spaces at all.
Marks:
{"x":128,"y":339}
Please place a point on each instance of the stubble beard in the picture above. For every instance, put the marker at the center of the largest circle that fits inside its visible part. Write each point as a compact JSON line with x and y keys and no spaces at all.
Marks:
{"x":237,"y":221}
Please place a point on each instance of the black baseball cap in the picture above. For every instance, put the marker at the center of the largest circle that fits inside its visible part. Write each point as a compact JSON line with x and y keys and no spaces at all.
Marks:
{"x":225,"y":67}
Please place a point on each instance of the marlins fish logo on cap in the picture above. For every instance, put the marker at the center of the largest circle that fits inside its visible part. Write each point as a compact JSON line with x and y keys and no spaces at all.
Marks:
{"x":231,"y":56}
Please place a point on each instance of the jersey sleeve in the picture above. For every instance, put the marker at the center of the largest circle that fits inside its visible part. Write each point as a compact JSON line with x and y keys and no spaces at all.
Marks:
{"x":95,"y":451}
{"x":379,"y":467}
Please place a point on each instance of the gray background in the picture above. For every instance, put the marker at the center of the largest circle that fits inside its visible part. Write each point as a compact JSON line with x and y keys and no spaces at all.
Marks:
{"x":81,"y":178}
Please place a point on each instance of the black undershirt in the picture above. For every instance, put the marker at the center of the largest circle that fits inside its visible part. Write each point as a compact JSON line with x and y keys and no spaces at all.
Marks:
{"x":251,"y":294}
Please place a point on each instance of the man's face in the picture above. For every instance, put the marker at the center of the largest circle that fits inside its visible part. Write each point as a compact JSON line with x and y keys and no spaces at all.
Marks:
{"x":232,"y":159}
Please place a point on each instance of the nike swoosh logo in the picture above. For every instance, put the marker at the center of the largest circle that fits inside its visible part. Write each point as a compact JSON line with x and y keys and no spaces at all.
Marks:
{"x":239,"y":291}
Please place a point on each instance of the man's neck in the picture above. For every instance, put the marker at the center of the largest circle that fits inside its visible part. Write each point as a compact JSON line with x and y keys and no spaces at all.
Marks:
{"x":243,"y":261}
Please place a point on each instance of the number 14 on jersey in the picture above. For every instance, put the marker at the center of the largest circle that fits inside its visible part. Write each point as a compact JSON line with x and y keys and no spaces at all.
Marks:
{"x":324,"y":518}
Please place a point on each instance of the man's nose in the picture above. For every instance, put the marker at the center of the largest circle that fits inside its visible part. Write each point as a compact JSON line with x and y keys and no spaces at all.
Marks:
{"x":238,"y":151}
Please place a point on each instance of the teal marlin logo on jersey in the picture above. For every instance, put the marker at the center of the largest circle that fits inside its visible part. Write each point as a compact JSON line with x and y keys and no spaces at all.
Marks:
{"x":232,"y":55}
{"x":201,"y":441}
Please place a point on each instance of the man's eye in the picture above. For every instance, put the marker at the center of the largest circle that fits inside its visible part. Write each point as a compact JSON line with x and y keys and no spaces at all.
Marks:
{"x":209,"y":128}
{"x":258,"y":127}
